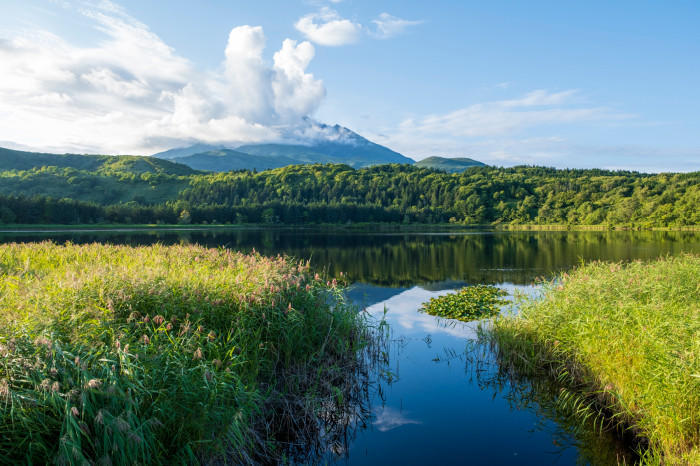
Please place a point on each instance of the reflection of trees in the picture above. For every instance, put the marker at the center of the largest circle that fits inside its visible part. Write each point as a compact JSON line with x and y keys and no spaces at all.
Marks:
{"x":409,"y":259}
{"x":319,"y":427}
{"x":596,"y":440}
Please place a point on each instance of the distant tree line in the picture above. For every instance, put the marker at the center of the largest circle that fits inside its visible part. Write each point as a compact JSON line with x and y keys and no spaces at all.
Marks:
{"x":385,"y":193}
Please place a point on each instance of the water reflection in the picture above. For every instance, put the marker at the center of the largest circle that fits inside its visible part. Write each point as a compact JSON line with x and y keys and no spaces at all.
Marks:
{"x":594,"y":441}
{"x":425,"y":399}
{"x":403,"y":260}
{"x":387,"y":418}
{"x":402,"y":306}
{"x":462,"y":405}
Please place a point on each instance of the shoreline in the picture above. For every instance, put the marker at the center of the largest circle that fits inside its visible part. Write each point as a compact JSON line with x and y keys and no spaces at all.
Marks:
{"x":381,"y":227}
{"x":613,"y":337}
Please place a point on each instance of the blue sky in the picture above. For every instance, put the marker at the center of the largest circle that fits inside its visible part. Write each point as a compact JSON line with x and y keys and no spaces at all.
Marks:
{"x":591,"y":84}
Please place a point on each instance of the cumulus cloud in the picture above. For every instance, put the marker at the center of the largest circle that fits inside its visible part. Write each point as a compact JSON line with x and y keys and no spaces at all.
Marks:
{"x":130,"y":92}
{"x":327,"y":27}
{"x":297,"y":92}
{"x":387,"y":26}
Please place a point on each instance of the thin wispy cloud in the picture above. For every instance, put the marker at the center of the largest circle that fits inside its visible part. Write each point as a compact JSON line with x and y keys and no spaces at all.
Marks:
{"x":501,"y":117}
{"x":387,"y":26}
{"x":503,"y":131}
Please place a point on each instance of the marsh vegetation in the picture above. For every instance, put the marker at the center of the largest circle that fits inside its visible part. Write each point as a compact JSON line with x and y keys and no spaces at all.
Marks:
{"x":364,"y":397}
{"x":158,"y":354}
{"x":621,"y":341}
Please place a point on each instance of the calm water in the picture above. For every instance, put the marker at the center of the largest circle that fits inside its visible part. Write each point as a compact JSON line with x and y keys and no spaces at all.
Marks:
{"x":447,"y":402}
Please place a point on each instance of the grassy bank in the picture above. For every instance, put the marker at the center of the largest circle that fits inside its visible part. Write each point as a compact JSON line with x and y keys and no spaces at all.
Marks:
{"x":606,"y":227}
{"x":120,"y":355}
{"x":624,"y":342}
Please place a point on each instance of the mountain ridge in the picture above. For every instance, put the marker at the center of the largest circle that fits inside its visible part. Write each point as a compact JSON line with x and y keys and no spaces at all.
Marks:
{"x":224,"y":160}
{"x":449,"y":164}
{"x":11,"y":159}
{"x":338,"y":145}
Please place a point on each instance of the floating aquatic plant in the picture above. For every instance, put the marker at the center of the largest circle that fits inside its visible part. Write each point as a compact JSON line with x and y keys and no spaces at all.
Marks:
{"x":469,"y":303}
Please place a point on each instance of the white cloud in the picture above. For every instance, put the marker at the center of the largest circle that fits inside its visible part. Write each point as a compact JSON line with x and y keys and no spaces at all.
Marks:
{"x":528,"y":129}
{"x":326,"y":27}
{"x":389,"y":26}
{"x":130,"y":92}
{"x":296,"y":91}
{"x":104,"y":79}
{"x":504,"y":118}
{"x":540,"y":98}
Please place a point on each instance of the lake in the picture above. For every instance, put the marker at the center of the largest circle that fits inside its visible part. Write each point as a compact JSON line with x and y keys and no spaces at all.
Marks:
{"x":441,"y":397}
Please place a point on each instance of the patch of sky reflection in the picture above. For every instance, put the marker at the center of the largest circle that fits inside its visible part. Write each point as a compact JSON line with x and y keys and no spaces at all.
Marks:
{"x":436,"y":409}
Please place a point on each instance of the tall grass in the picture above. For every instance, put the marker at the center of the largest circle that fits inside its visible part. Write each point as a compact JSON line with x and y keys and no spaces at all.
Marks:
{"x":624,"y":342}
{"x":121,"y":355}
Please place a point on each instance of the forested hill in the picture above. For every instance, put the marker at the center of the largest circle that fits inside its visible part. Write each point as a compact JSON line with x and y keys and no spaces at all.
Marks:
{"x":341,"y":194}
{"x":108,"y":164}
{"x":449,"y":164}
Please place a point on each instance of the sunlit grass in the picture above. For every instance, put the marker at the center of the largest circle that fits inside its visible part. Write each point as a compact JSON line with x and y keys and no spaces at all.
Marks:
{"x":121,"y":355}
{"x":624,"y":339}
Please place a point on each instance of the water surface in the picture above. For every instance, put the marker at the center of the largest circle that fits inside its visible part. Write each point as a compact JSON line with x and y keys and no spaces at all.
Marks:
{"x":445,"y":400}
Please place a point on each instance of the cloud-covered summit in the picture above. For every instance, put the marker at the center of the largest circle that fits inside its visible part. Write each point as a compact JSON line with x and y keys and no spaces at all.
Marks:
{"x":130,"y":92}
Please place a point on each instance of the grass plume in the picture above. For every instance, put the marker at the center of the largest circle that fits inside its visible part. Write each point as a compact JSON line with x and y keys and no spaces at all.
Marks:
{"x":123,"y":355}
{"x":623,"y":340}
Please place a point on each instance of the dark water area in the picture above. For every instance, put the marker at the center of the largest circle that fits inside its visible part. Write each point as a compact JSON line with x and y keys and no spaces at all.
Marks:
{"x":441,"y":397}
{"x":405,"y":259}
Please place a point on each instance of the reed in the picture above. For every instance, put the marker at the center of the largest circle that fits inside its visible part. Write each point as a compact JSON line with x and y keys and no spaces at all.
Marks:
{"x":124,"y":355}
{"x":623,"y":342}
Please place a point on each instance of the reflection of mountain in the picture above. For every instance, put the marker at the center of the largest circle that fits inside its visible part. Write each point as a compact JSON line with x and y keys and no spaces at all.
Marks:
{"x":366,"y":295}
{"x":445,"y":285}
{"x":404,"y":318}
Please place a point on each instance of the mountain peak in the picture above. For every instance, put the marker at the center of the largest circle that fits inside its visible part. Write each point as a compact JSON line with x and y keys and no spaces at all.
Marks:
{"x":313,"y":142}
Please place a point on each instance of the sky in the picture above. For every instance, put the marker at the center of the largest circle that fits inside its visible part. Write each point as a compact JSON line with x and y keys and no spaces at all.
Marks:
{"x":566,"y":84}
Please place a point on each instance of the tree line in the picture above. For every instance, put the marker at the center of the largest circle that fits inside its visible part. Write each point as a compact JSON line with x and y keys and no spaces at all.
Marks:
{"x":340,"y":194}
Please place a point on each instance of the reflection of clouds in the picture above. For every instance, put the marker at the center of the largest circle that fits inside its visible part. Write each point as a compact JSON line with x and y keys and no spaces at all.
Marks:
{"x":389,"y":419}
{"x":402,"y":312}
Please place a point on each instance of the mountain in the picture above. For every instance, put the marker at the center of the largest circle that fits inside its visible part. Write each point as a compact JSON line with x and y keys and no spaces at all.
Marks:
{"x":329,"y":144}
{"x":22,"y":160}
{"x":224,"y":160}
{"x":180,"y":152}
{"x":340,"y":145}
{"x":99,"y":179}
{"x":450,"y":165}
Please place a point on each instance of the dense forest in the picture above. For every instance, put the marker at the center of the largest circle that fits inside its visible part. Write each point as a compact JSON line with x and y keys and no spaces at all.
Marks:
{"x":334,"y":193}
